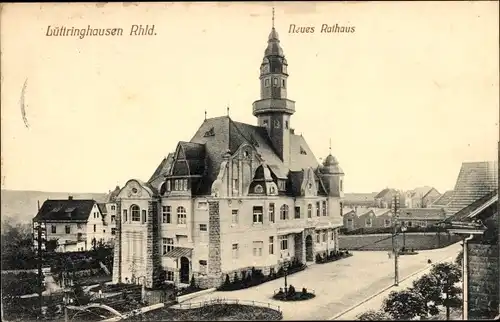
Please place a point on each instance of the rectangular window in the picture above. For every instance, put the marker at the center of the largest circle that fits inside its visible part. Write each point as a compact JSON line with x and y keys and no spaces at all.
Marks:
{"x":168,"y":245}
{"x":185,"y":184}
{"x":95,"y":228}
{"x":235,"y":185}
{"x":168,"y":185}
{"x":266,"y":82}
{"x":79,"y":226}
{"x":387,"y":222}
{"x":167,"y":214}
{"x":235,"y":250}
{"x":67,"y":228}
{"x":324,"y":208}
{"x":368,"y":222}
{"x":341,"y":209}
{"x":283,"y":83}
{"x":54,"y":229}
{"x":257,"y":214}
{"x":234,"y":216}
{"x":275,"y":81}
{"x":317,"y":237}
{"x":104,"y":231}
{"x":318,"y":208}
{"x":113,"y":207}
{"x":125,"y":217}
{"x":113,"y":231}
{"x":271,"y":245}
{"x":323,"y":235}
{"x":113,"y":218}
{"x":202,"y":205}
{"x":203,"y":227}
{"x":283,"y":242}
{"x":181,"y":216}
{"x":281,"y":185}
{"x":309,"y":210}
{"x":176,"y":187}
{"x":332,"y":235}
{"x":271,"y":212}
{"x":257,"y":248}
{"x":170,"y":276}
{"x":297,"y":212}
{"x":349,"y":223}
{"x":144,"y":216}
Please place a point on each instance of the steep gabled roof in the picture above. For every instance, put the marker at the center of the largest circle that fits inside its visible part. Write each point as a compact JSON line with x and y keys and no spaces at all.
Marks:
{"x":384,"y":193}
{"x":77,"y":210}
{"x":161,"y":170}
{"x":220,"y":135}
{"x":444,"y":199}
{"x":475,"y":180}
{"x":468,"y":213}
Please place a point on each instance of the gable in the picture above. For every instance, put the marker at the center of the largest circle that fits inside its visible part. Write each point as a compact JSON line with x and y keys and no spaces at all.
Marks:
{"x":136,"y":189}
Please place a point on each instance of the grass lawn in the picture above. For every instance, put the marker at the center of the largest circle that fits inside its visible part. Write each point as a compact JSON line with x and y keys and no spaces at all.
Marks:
{"x":215,"y":312}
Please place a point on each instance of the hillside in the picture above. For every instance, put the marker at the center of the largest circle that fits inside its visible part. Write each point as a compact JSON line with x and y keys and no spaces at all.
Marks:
{"x":21,"y":206}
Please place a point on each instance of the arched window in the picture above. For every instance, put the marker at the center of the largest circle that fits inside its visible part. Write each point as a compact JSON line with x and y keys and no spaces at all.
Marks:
{"x":284,"y":212}
{"x":135,"y":213}
{"x":181,"y":215}
{"x":309,"y":210}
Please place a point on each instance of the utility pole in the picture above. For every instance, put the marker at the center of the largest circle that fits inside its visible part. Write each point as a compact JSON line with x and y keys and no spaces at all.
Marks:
{"x":395,"y":213}
{"x":41,"y":234}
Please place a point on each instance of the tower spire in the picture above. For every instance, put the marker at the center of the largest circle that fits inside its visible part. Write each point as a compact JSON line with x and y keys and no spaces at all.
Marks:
{"x":330,"y":146}
{"x":273,"y":17}
{"x":205,"y":115}
{"x":227,"y":108}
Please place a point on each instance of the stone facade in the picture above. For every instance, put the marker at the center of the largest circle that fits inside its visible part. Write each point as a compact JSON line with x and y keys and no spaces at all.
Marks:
{"x":214,"y":248}
{"x":483,"y":285}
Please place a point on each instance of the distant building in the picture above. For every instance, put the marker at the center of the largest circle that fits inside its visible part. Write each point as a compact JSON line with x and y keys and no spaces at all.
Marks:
{"x":76,"y":224}
{"x":443,"y":201}
{"x":363,"y":217}
{"x":360,"y":199}
{"x":110,"y":212}
{"x":421,"y":217}
{"x":385,"y":198}
{"x":421,"y":197}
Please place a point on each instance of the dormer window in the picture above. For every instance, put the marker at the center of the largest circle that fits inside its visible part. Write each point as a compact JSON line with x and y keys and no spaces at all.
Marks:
{"x":281,"y":185}
{"x":302,"y":151}
{"x":275,"y":81}
{"x":283,"y":83}
{"x":210,"y":132}
{"x":266,"y":82}
{"x":168,"y":185}
{"x":258,"y":189}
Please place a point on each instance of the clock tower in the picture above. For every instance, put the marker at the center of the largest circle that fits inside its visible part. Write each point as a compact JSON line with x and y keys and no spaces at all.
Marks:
{"x":273,"y":110}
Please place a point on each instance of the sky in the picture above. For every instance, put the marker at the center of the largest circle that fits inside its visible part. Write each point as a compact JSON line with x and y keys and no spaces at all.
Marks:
{"x":405,"y":99}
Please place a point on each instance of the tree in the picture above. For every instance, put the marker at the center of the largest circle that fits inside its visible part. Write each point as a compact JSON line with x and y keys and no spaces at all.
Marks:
{"x":51,"y":245}
{"x":460,"y":258}
{"x":446,"y":276}
{"x":404,"y":305}
{"x":372,"y":315}
{"x":427,"y":288}
{"x":17,"y":246}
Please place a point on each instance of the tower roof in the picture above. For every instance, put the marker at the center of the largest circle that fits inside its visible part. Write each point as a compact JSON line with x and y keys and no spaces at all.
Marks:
{"x":273,"y":44}
{"x":331,"y":165}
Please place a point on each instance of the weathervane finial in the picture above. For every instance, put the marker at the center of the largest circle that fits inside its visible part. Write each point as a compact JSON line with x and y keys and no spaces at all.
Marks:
{"x":330,"y":147}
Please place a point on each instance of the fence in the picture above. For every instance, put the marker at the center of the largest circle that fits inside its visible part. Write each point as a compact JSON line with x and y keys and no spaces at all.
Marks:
{"x":187,"y":306}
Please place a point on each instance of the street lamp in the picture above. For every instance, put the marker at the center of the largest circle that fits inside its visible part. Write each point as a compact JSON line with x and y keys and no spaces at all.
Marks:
{"x":286,"y":262}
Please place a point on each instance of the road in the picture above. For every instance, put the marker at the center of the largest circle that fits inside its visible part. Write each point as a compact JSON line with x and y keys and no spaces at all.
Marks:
{"x":338,"y":285}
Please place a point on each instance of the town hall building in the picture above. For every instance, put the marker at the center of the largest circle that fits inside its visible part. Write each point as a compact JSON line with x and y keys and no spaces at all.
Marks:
{"x":235,"y":197}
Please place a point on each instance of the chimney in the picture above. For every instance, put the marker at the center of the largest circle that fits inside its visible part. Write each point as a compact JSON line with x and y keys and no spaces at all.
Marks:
{"x":70,"y":197}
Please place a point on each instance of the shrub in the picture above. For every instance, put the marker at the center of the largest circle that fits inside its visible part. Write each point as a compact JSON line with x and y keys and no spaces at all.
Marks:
{"x":236,"y":279}
{"x":227,"y":281}
{"x":291,"y":290}
{"x":304,"y":290}
{"x":192,"y":284}
{"x":243,"y":276}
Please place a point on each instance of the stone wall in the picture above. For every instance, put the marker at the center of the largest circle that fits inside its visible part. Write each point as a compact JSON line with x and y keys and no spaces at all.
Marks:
{"x":152,"y":248}
{"x":116,"y":278}
{"x":417,"y":241}
{"x":483,"y":281}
